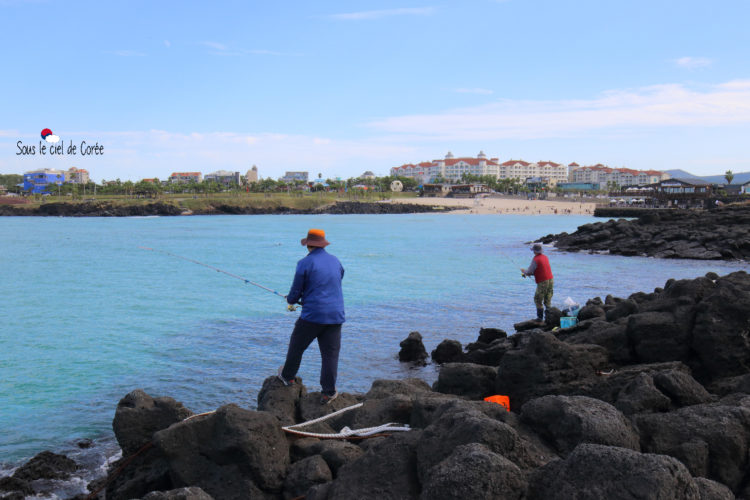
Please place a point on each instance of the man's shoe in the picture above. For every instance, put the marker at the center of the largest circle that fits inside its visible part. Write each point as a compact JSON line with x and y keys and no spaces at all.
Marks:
{"x":282,"y":379}
{"x":325,"y":399}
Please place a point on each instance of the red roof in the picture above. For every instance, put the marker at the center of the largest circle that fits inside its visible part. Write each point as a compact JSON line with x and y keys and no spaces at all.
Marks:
{"x":185,"y":174}
{"x":513,"y":162}
{"x":470,"y":161}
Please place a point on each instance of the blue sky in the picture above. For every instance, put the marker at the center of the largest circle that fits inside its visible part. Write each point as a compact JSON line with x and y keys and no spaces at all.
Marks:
{"x":343,"y":87}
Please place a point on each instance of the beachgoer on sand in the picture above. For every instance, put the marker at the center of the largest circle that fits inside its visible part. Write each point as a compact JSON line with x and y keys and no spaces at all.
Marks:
{"x":542,"y":273}
{"x":317,"y":286}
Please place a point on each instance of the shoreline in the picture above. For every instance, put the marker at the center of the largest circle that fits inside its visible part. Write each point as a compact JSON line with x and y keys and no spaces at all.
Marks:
{"x":504,"y":206}
{"x":479,"y":206}
{"x":581,"y":370}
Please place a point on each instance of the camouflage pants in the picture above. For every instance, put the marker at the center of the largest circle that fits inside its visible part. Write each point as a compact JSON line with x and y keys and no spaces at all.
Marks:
{"x":543,"y":295}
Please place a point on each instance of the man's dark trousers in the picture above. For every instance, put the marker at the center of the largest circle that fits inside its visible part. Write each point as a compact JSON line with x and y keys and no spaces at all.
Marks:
{"x":329,"y":343}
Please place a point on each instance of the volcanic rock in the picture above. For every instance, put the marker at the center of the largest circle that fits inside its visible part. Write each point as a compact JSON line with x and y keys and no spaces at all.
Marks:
{"x":448,"y":351}
{"x":412,"y":349}
{"x":473,"y":471}
{"x":228,"y":453}
{"x":466,"y":379}
{"x":138,"y":416}
{"x":191,"y":493}
{"x":612,"y":473}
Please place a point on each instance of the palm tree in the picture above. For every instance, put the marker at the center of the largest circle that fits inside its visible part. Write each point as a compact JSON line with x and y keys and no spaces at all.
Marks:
{"x":729,"y":176}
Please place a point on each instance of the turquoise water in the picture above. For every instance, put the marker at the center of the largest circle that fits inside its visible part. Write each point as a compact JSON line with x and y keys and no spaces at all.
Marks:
{"x":87,"y":316}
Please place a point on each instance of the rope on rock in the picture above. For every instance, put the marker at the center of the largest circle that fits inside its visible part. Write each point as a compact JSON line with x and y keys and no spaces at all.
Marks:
{"x":346,"y":432}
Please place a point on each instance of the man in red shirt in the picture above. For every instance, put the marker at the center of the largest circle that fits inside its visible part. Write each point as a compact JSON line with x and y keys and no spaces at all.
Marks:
{"x":542,"y":273}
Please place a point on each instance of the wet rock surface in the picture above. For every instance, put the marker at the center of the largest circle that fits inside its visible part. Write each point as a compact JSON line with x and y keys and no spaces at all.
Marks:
{"x":110,"y":209}
{"x":652,"y":402}
{"x":721,"y":234}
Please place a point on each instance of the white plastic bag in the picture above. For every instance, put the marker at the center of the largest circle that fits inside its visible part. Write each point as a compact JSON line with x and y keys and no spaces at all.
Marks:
{"x":570,"y":307}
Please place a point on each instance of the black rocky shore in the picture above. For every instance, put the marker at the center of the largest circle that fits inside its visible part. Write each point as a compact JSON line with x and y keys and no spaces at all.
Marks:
{"x":110,"y":209}
{"x":719,"y":234}
{"x":647,"y":397}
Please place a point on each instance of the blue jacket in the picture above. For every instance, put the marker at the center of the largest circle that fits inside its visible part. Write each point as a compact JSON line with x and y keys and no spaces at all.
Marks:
{"x":317,"y":285}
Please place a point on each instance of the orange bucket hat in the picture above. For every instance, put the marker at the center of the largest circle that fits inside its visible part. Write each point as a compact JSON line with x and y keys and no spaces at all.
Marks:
{"x":315,"y":238}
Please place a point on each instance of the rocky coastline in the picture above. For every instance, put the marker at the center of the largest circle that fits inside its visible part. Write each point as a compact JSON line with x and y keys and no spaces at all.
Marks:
{"x":719,"y":234}
{"x":647,"y":397}
{"x":160,"y":208}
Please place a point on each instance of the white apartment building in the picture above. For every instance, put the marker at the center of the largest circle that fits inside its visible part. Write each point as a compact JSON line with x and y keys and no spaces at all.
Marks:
{"x":453,"y":169}
{"x":449,"y":168}
{"x":602,"y":175}
{"x":519,"y":169}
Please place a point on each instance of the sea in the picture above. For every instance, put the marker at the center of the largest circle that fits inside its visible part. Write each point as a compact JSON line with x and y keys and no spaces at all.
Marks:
{"x":93,"y":308}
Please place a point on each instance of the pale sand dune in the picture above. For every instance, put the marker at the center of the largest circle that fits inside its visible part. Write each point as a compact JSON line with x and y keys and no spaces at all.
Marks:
{"x":507,"y":205}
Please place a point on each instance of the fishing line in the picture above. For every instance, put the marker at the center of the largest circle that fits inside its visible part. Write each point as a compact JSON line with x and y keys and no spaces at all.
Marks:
{"x":215,"y":269}
{"x":497,"y":247}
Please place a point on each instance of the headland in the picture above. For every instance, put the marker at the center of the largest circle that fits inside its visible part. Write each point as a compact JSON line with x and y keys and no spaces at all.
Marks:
{"x":719,"y":234}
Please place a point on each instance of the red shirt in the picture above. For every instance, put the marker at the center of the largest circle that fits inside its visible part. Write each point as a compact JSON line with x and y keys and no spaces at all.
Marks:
{"x":543,"y":271}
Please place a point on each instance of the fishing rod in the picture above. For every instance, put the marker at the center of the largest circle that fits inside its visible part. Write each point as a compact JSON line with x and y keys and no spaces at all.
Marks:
{"x":214,"y":268}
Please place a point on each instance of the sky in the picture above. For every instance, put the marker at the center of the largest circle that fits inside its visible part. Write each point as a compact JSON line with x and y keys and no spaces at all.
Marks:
{"x":341,"y":87}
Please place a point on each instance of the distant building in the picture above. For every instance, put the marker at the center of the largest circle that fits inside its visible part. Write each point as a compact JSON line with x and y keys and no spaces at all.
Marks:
{"x":603,"y":175}
{"x":153,"y":180}
{"x":519,"y":169}
{"x":367,"y":175}
{"x":436,"y":190}
{"x":37,"y":181}
{"x":745,"y":188}
{"x":449,"y":168}
{"x":251,"y":177}
{"x":77,"y":176}
{"x":185,"y":177}
{"x":682,"y":192}
{"x":453,"y":169}
{"x":224,"y":177}
{"x":468,"y":190}
{"x":295,"y":176}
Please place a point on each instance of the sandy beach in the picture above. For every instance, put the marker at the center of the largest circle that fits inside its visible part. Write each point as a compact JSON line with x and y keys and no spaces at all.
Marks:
{"x":518,"y":206}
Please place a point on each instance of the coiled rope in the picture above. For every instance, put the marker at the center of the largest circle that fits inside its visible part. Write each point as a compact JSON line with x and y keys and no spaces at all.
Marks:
{"x":346,"y":432}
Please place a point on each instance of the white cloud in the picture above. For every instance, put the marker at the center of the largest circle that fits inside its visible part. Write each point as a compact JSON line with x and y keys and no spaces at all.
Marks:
{"x":52,"y":138}
{"x":656,"y":106}
{"x":479,"y":91}
{"x":693,"y":62}
{"x":379,"y":14}
{"x":215,"y":45}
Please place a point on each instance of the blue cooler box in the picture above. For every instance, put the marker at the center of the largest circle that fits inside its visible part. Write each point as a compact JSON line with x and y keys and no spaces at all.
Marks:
{"x":568,"y":321}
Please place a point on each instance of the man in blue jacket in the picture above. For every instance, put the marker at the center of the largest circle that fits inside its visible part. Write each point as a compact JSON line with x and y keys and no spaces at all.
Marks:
{"x":317,"y":286}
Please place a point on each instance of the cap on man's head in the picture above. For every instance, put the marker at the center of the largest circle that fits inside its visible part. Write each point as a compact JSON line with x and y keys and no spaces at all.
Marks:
{"x":315,"y":238}
{"x":537,"y":248}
